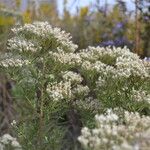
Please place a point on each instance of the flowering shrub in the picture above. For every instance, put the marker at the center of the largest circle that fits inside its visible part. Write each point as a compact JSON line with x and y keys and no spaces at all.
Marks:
{"x":113,"y":132}
{"x":9,"y":142}
{"x":53,"y":77}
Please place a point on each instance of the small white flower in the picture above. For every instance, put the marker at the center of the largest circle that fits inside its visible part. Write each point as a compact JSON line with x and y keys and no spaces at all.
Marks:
{"x":13,"y":123}
{"x":6,"y":139}
{"x":15,"y":144}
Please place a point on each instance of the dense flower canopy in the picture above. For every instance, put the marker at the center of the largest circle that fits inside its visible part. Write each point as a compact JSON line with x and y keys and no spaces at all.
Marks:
{"x":113,"y":133}
{"x":44,"y":60}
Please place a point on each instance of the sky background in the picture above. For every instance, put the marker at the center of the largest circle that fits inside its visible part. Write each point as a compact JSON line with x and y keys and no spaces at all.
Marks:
{"x":81,"y":3}
{"x":72,"y":6}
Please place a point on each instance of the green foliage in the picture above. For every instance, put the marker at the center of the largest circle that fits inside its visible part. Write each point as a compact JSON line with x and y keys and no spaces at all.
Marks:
{"x":59,"y":90}
{"x":60,"y":86}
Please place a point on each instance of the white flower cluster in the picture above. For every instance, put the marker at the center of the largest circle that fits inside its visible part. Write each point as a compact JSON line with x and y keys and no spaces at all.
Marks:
{"x":131,"y":66}
{"x":64,"y":90}
{"x":66,"y":58}
{"x":147,"y":65}
{"x":22,"y":45}
{"x":117,"y":61}
{"x":88,"y":103}
{"x":80,"y":90}
{"x":99,"y":67}
{"x":97,"y":53}
{"x":113,"y":134}
{"x":13,"y":123}
{"x":140,"y":96}
{"x":72,"y":76}
{"x":110,"y":117}
{"x":8,"y":140}
{"x":101,"y":82}
{"x":44,"y":30}
{"x":12,"y":62}
{"x":59,"y":91}
{"x":7,"y":60}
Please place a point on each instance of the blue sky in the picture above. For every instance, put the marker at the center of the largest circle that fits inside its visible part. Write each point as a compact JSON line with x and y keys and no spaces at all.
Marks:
{"x":80,"y":3}
{"x":72,"y":6}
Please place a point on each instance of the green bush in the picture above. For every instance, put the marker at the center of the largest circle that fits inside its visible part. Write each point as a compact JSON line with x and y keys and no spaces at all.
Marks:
{"x":59,"y":90}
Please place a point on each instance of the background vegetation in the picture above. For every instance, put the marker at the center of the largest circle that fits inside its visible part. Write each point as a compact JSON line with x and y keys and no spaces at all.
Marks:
{"x":98,"y":25}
